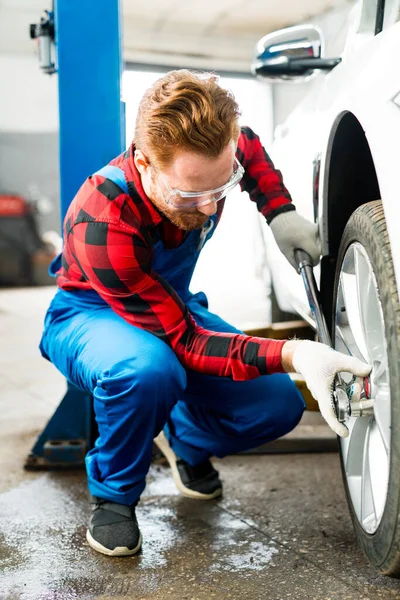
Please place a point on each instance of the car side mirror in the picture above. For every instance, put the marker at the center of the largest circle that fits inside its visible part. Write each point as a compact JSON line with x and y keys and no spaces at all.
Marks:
{"x":291,"y":54}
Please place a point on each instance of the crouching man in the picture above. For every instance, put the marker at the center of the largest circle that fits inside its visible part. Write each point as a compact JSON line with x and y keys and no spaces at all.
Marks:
{"x":125,"y":327}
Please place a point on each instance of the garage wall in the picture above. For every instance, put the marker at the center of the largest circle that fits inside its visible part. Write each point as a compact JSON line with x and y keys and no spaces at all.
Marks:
{"x":334,"y":25}
{"x":232,"y":274}
{"x":29,"y":164}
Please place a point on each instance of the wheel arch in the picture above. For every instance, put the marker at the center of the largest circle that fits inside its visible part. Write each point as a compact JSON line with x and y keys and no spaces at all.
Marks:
{"x":350,"y":180}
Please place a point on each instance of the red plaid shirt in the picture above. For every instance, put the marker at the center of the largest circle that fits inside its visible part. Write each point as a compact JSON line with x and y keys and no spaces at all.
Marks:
{"x":108,"y":247}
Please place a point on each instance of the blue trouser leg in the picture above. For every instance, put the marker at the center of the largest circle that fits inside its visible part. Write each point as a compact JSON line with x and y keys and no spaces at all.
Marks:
{"x":219,"y":416}
{"x":135,"y":379}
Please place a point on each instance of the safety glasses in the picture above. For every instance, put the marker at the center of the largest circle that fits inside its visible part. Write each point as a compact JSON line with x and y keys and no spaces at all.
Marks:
{"x":184,"y":200}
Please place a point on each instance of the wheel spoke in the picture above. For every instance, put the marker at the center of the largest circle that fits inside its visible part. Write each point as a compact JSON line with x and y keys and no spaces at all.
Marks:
{"x":368,"y":510}
{"x":370,"y":310}
{"x":382,"y":414}
{"x":347,"y":318}
{"x":345,"y":442}
{"x":378,"y":468}
{"x":349,"y":280}
{"x":354,"y":462}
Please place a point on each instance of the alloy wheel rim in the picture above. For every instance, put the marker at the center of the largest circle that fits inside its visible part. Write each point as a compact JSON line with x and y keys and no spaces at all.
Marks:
{"x":360,"y":331}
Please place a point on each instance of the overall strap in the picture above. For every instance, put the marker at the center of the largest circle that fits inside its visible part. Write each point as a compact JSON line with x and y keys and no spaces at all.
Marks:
{"x":116,"y":175}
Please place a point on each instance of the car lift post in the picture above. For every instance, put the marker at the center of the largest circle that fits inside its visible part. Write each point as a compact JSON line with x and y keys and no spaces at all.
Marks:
{"x":88,"y":61}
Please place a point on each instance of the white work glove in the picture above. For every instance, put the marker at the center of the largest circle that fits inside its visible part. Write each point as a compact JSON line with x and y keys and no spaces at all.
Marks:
{"x":293,"y":232}
{"x":319,"y":364}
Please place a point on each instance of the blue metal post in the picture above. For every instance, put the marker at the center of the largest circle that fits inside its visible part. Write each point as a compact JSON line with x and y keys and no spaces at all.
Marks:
{"x":92,"y":132}
{"x":89,"y":64}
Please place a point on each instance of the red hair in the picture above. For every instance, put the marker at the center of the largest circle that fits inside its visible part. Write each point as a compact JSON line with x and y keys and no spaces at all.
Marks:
{"x":186,"y":111}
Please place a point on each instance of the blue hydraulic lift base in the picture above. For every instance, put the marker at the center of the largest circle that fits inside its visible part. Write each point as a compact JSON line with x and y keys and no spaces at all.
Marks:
{"x":68,"y":435}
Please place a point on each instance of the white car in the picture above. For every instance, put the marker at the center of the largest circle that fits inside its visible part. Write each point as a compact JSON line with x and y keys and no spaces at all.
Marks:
{"x":339,"y":152}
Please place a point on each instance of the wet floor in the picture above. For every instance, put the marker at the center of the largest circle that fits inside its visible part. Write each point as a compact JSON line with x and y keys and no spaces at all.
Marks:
{"x":281,"y":531}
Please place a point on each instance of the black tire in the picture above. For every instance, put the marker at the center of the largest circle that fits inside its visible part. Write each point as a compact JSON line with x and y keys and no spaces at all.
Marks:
{"x":367,"y":226}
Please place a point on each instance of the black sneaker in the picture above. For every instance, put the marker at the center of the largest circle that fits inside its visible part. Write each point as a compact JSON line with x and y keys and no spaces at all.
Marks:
{"x":201,"y":481}
{"x":113,"y":528}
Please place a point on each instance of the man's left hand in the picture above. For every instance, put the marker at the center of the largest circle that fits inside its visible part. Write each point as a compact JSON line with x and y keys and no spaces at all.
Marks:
{"x":293,"y":232}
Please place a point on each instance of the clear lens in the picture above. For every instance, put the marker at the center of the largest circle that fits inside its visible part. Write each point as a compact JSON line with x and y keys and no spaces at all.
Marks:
{"x":184,"y":200}
{"x":179,"y":202}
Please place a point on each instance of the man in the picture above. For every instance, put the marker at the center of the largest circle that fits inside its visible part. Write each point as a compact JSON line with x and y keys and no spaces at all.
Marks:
{"x":125,"y":327}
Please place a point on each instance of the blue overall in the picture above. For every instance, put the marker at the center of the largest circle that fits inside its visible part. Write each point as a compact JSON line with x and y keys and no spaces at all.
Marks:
{"x":139,"y":386}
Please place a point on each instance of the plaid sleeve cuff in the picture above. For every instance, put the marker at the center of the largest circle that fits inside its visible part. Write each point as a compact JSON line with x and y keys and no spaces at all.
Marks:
{"x":281,"y":209}
{"x":270,"y":357}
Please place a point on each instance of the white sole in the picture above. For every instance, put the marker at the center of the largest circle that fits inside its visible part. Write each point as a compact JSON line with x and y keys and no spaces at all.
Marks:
{"x":118,"y":551}
{"x":162,"y":443}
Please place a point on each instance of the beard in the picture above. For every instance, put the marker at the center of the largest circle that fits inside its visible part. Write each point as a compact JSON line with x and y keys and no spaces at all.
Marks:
{"x":186,"y":220}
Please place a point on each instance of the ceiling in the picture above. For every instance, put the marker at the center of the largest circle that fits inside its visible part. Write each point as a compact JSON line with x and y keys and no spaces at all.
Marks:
{"x":217,"y":34}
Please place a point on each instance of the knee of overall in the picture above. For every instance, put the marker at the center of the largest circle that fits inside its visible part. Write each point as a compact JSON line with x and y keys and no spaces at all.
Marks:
{"x":154,"y":375}
{"x":275,"y":414}
{"x":289,"y":407}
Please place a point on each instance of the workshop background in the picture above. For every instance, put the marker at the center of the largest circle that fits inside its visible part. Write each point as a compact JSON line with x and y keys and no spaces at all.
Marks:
{"x":282,"y":530}
{"x":211,"y":35}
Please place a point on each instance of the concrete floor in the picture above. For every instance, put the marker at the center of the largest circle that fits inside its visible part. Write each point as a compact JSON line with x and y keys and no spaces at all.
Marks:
{"x":281,"y":531}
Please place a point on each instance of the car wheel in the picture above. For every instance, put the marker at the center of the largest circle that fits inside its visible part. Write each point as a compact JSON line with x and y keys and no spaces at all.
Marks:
{"x":366,"y":324}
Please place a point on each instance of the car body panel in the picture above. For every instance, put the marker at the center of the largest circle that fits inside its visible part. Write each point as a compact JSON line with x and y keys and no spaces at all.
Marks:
{"x":365,"y":84}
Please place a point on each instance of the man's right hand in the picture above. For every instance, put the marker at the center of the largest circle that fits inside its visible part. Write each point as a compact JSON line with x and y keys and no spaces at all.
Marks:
{"x":319,"y":364}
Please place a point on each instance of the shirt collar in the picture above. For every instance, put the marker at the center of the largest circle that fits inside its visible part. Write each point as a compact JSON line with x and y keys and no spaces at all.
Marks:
{"x":150,"y":214}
